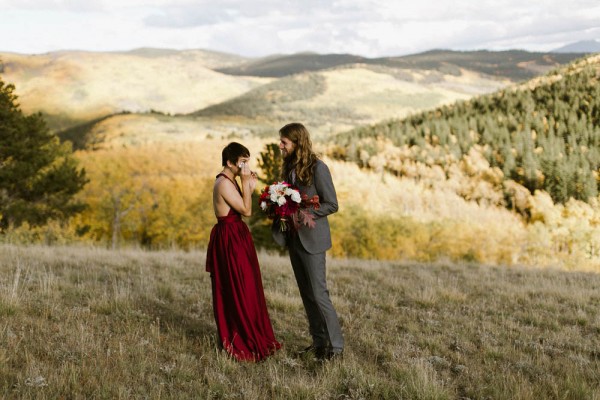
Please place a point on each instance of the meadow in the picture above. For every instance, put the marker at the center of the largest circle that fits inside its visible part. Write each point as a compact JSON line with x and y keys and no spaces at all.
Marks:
{"x":85,"y":322}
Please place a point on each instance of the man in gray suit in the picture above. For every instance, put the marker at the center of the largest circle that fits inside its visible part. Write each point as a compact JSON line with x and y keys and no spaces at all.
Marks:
{"x":307,"y":246}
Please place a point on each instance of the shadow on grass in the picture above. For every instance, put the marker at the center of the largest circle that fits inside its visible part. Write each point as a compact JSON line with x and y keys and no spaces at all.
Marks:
{"x":172,"y":318}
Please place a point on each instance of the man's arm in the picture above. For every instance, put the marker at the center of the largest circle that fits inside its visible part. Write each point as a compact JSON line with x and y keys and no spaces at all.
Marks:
{"x":326,"y":191}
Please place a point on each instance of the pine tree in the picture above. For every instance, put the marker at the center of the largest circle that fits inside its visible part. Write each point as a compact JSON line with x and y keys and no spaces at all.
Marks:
{"x":270,"y":163}
{"x":38,"y":175}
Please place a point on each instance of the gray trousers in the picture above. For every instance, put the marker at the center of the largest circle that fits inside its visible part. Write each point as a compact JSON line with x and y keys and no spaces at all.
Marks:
{"x":309,"y":270}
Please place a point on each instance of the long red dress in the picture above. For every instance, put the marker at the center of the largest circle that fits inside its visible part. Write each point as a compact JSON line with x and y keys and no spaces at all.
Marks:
{"x":239,"y":303}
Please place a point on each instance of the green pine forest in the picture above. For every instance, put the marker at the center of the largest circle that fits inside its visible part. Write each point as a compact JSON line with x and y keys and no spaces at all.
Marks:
{"x":543,"y":134}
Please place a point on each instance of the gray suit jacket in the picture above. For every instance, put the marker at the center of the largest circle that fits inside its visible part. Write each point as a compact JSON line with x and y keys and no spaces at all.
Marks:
{"x":318,"y":239}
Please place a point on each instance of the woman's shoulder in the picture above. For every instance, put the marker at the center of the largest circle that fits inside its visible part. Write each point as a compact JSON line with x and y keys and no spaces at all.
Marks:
{"x":220,"y":179}
{"x":224,"y":183}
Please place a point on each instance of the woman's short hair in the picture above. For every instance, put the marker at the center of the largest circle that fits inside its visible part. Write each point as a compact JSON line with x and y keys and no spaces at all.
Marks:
{"x":232,"y":152}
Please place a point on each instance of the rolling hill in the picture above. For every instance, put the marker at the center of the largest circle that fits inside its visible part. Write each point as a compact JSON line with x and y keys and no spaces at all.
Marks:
{"x":71,"y":87}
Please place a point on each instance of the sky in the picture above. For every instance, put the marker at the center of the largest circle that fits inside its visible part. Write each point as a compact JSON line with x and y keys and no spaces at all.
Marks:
{"x":370,"y":28}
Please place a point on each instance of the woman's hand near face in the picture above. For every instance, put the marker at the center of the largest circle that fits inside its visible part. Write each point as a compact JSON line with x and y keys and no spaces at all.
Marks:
{"x":253,"y":180}
{"x":247,"y":175}
{"x":245,"y":172}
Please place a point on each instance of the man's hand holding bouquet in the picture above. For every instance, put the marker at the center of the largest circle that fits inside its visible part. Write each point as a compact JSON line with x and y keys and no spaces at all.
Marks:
{"x":284,"y":202}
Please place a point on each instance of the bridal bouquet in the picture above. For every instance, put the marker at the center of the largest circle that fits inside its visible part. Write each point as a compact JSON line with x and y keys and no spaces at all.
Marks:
{"x":281,"y":200}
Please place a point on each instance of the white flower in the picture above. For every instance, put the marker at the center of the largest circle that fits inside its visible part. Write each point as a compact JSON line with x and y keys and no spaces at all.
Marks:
{"x":263,"y":205}
{"x":288,"y":191}
{"x":281,"y":201}
{"x":278,"y":187}
{"x":296,"y":196}
{"x":274,"y":197}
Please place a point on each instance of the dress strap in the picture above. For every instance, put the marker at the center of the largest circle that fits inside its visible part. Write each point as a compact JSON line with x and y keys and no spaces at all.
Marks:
{"x":231,"y":180}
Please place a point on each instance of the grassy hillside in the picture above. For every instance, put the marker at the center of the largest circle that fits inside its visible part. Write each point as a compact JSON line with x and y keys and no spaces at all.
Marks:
{"x":531,"y":150}
{"x":90,"y":323}
{"x":515,"y":65}
{"x":80,"y":86}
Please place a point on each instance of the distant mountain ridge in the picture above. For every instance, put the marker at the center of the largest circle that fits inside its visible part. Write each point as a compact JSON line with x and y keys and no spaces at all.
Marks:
{"x":280,"y":66}
{"x":515,"y":65}
{"x":583,"y":46}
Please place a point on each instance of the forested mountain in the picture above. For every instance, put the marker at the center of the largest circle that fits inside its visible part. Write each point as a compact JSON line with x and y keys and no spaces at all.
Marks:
{"x":544,"y":134}
{"x":516,"y":65}
{"x":279,"y":66}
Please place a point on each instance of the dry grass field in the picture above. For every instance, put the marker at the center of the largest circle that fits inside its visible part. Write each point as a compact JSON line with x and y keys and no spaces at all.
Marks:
{"x":81,"y":322}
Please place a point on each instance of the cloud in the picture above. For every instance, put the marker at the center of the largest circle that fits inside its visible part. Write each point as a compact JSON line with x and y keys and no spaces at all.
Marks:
{"x":53,"y":5}
{"x":235,"y":11}
{"x":257,"y":28}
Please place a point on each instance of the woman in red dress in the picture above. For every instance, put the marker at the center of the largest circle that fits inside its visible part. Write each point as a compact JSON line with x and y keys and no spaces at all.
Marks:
{"x":243,"y":323}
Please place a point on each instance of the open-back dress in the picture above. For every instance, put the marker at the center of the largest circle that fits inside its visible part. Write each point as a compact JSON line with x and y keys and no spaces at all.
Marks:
{"x":239,"y":305}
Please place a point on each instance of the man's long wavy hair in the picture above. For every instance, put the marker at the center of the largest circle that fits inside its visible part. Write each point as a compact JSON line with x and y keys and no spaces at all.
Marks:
{"x":303,"y":160}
